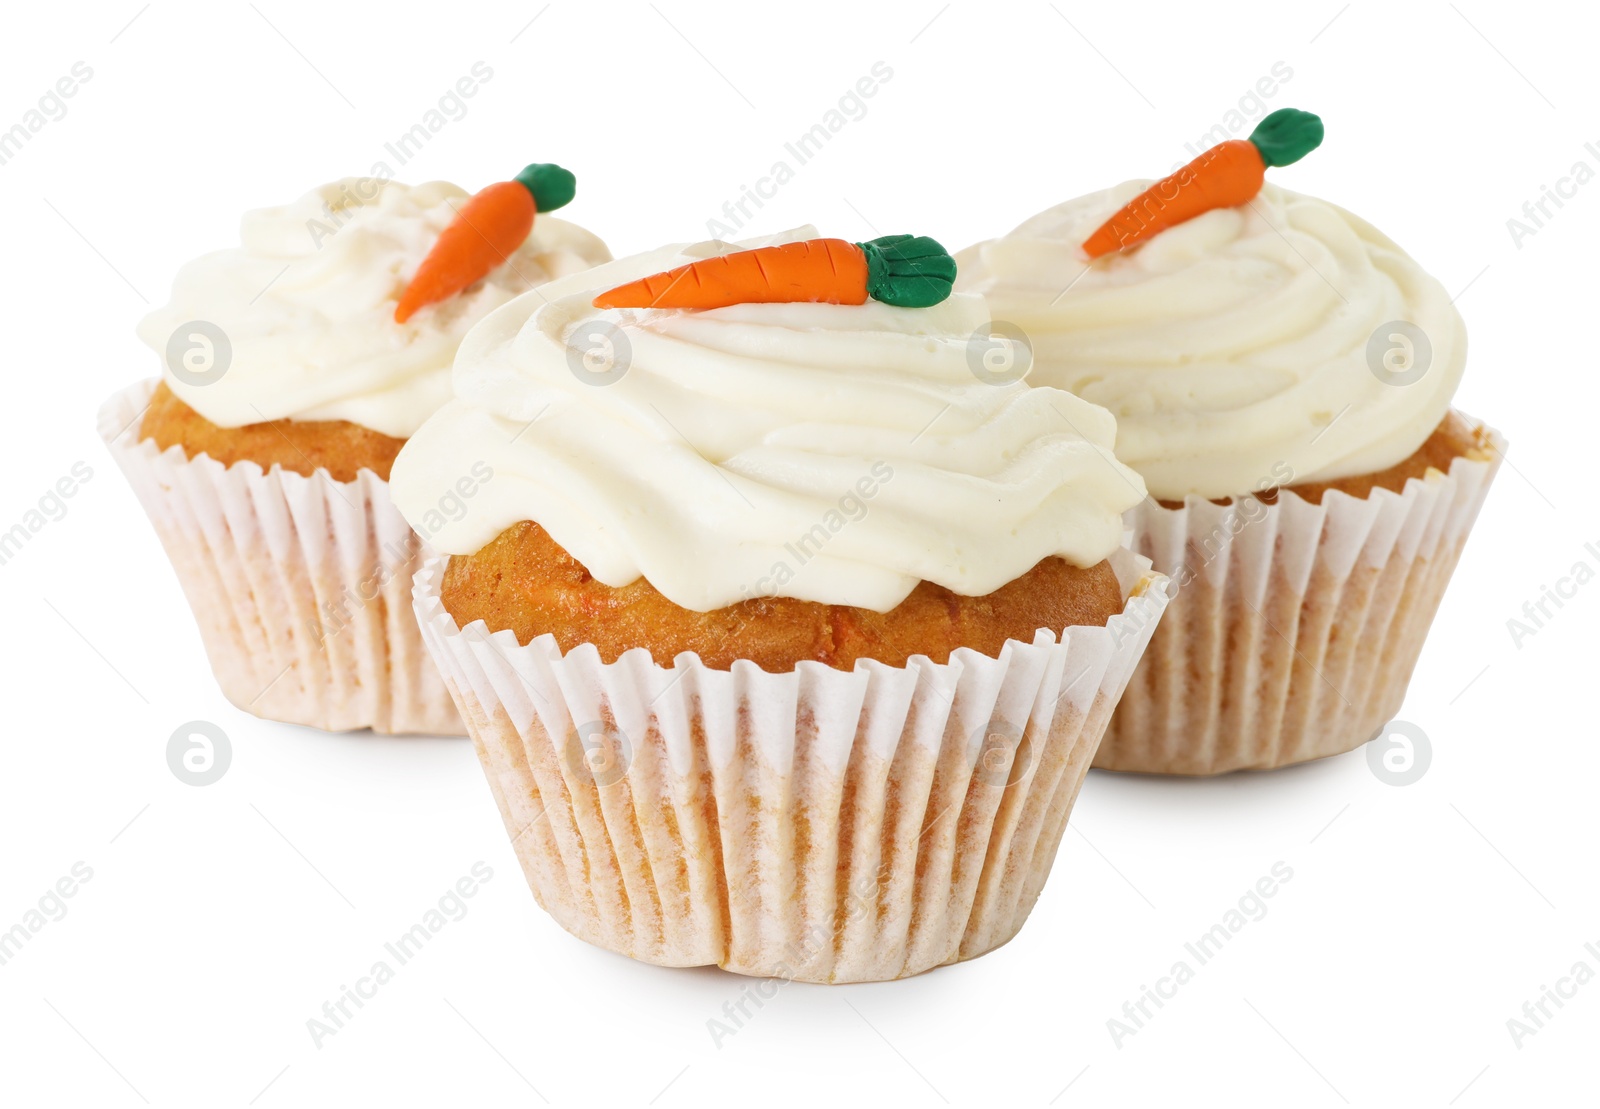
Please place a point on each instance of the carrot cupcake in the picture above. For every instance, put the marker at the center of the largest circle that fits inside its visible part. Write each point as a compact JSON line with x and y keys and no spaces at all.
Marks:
{"x":784,"y":642}
{"x":295,"y":367}
{"x":1281,"y":374}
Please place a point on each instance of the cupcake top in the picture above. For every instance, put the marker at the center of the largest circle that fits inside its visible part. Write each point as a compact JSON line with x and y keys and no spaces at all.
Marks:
{"x":306,"y":303}
{"x":1283,"y":336}
{"x":836,"y":453}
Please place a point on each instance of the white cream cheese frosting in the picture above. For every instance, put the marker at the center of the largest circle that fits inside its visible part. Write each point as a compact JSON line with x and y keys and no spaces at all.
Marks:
{"x":1234,"y":348}
{"x":306,"y":303}
{"x":831,"y":453}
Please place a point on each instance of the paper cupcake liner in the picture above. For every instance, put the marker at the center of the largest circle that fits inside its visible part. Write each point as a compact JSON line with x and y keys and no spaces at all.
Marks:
{"x":820,"y":825}
{"x":300,"y":585}
{"x":1296,"y":626}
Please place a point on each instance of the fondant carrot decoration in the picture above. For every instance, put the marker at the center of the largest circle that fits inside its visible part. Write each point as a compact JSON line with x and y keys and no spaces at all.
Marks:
{"x":904,"y":270}
{"x":487,"y":230}
{"x":1228,"y":174}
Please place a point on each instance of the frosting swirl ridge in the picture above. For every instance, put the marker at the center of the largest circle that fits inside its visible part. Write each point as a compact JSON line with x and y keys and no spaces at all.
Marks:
{"x":831,"y":453}
{"x":1241,"y":345}
{"x":306,"y":303}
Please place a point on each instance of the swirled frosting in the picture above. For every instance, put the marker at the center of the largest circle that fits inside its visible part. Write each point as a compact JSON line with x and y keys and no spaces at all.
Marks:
{"x":1242,"y":345}
{"x":831,"y":453}
{"x":307,"y":301}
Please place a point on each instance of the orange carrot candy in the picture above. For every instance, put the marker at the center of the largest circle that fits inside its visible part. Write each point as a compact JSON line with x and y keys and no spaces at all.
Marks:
{"x":1226,"y":175}
{"x":487,"y":230}
{"x":908,"y":271}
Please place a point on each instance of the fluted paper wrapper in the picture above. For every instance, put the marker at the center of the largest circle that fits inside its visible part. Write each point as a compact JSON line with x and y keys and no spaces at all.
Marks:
{"x":1295,"y":627}
{"x":300,"y":585}
{"x":820,"y":825}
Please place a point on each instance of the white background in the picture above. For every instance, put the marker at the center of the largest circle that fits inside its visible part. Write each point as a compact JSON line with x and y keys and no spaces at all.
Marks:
{"x":218,"y":920}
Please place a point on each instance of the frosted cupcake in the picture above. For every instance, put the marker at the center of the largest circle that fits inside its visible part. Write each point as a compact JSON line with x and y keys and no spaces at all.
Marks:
{"x":785,"y":643}
{"x":295,"y":367}
{"x":1281,"y":374}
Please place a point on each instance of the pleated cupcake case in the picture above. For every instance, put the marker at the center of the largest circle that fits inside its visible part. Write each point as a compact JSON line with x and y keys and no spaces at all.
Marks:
{"x":300,"y":585}
{"x":818,"y":825}
{"x":1296,"y":626}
